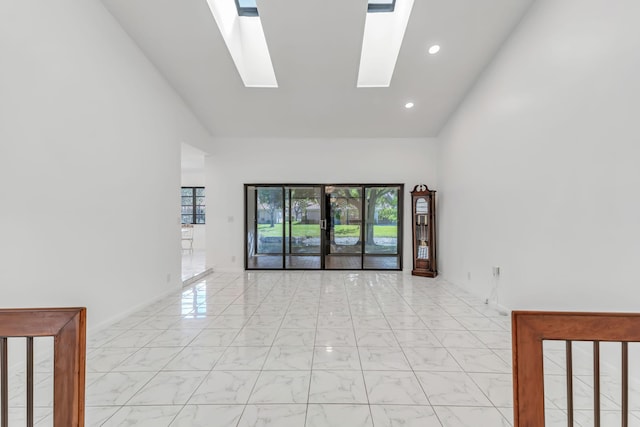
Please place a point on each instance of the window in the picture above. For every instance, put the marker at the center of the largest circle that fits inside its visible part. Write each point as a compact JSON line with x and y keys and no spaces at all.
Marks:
{"x":193,"y":206}
{"x":247,"y":7}
{"x":381,"y":6}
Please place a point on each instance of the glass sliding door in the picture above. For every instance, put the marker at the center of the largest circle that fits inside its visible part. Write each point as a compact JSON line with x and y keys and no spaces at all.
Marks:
{"x":382,"y":228}
{"x":265,"y":227}
{"x":343,"y":231}
{"x":332,"y":227}
{"x":303,"y":215}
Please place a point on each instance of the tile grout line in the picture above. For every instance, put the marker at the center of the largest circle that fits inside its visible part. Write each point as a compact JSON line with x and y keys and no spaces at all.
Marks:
{"x":405,"y":355}
{"x":261,"y":370}
{"x":205,"y":376}
{"x":313,"y":350}
{"x":364,"y":382}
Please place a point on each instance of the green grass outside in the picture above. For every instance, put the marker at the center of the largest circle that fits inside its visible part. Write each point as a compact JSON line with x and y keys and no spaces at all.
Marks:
{"x":313,"y":230}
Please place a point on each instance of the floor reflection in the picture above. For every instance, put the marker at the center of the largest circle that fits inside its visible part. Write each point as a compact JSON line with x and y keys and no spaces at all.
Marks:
{"x":193,"y":263}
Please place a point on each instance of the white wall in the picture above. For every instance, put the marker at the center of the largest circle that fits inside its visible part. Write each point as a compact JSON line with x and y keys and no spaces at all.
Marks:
{"x":235,"y":162}
{"x":192,"y":178}
{"x":89,"y":162}
{"x":539,"y":167}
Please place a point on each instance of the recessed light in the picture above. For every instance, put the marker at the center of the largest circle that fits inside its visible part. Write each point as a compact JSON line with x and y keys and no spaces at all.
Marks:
{"x":434,"y":49}
{"x":408,"y":105}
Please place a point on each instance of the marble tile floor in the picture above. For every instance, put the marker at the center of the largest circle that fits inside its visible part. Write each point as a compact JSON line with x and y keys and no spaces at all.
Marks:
{"x":308,"y":349}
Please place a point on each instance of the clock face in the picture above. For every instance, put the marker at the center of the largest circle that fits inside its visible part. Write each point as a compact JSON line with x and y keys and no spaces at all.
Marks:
{"x":422,"y":206}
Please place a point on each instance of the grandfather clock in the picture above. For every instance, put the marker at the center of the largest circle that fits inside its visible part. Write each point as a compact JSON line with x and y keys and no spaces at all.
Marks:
{"x":423,"y":218}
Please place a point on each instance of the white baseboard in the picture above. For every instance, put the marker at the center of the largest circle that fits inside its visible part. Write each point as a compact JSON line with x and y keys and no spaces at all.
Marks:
{"x":198,"y":277}
{"x":501,"y":309}
{"x":106,"y":323}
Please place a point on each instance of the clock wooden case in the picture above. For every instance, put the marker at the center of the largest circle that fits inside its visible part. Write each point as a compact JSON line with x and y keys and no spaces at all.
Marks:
{"x":423,"y":218}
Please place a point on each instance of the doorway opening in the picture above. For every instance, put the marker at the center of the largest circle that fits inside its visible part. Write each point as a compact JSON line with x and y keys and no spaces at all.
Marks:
{"x":192,"y":212}
{"x":323,"y":227}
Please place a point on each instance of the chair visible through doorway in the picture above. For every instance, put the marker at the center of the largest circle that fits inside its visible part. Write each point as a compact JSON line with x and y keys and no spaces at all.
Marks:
{"x":187,"y":236}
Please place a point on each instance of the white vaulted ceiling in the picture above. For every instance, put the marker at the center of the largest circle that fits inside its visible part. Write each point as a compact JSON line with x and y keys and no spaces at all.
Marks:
{"x":315,"y":48}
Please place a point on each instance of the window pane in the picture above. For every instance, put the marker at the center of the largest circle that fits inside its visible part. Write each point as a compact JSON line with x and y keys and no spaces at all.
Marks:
{"x":199,"y":219}
{"x":187,"y":219}
{"x":187,"y":210}
{"x":186,"y":191}
{"x":381,"y":211}
{"x":247,"y":3}
{"x":247,"y":7}
{"x":381,"y":5}
{"x":200,"y":192}
{"x":200,"y":209}
{"x":187,"y":201}
{"x":200,"y":201}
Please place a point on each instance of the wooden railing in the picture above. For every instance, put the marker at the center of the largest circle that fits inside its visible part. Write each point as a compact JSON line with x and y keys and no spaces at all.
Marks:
{"x":530,"y":329}
{"x":68,"y":328}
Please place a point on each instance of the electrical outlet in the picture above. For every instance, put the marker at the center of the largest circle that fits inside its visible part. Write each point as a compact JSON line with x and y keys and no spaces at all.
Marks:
{"x":496,"y":271}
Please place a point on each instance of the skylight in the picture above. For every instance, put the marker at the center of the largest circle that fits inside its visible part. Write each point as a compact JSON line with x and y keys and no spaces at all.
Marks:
{"x":381,"y":6}
{"x":247,"y":7}
{"x":245,"y":40}
{"x":381,"y":42}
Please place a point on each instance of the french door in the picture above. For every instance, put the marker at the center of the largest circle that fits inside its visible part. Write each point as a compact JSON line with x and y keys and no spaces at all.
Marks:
{"x":318,"y":226}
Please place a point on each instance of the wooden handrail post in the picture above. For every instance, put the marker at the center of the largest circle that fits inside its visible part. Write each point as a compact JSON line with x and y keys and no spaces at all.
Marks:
{"x":531,"y":328}
{"x":67,"y":326}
